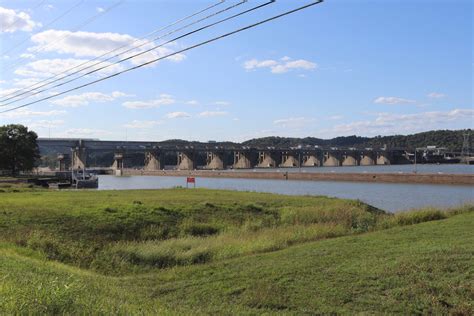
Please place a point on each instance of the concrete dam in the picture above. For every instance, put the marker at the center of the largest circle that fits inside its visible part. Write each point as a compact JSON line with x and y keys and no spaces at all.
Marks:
{"x":153,"y":156}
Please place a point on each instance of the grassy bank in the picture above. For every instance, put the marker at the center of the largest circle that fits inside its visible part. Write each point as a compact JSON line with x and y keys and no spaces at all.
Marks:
{"x":220,"y":251}
{"x":134,"y":231}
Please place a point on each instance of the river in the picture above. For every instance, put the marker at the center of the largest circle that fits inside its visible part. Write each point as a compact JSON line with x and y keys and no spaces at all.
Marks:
{"x":420,"y":168}
{"x":391,"y":197}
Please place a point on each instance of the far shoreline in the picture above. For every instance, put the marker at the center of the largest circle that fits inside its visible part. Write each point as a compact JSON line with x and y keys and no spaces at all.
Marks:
{"x":410,"y":178}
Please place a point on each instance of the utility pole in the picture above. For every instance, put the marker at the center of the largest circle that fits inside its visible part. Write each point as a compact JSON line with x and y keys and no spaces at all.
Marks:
{"x":299,"y":158}
{"x":416,"y":149}
{"x":465,"y":148}
{"x":415,"y":161}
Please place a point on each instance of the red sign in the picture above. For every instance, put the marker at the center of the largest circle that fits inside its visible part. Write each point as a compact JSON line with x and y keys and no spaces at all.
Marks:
{"x":191,"y":180}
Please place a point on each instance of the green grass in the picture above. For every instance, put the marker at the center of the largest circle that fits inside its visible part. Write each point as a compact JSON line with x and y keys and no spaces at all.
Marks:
{"x":117,"y":232}
{"x":7,"y":187}
{"x":206,"y":251}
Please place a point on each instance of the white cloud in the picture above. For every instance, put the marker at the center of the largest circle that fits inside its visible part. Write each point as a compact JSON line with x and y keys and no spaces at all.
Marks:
{"x":293,"y":122}
{"x":389,"y":123}
{"x":254,"y":63}
{"x":45,"y":124}
{"x":436,"y":95}
{"x":12,"y":21}
{"x":86,"y":98}
{"x":90,"y":44}
{"x":192,"y":102}
{"x":5,"y":92}
{"x":49,"y":67}
{"x":2,"y":81}
{"x":164,"y":99}
{"x":27,"y":56}
{"x":99,"y":9}
{"x":166,"y":96}
{"x":85,"y":132}
{"x":212,"y":113}
{"x":393,"y":100}
{"x":296,"y":64}
{"x":222,"y":103}
{"x":174,"y":115}
{"x":136,"y":124}
{"x":284,"y":65}
{"x":28,"y":113}
{"x":25,"y":82}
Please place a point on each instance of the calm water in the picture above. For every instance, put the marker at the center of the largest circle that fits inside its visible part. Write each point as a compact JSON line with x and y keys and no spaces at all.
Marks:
{"x":427,"y":168}
{"x":388,"y":196}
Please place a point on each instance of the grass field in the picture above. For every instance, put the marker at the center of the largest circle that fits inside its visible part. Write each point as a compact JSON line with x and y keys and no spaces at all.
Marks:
{"x":207,"y":251}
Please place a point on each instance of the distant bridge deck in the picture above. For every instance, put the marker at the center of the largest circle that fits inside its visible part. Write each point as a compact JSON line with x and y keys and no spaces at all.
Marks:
{"x":100,"y":145}
{"x":81,"y":153}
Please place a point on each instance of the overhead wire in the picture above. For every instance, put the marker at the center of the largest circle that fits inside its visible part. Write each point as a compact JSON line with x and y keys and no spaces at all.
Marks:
{"x":38,"y":85}
{"x":35,"y":85}
{"x":251,"y":26}
{"x":35,"y":92}
{"x":78,"y":27}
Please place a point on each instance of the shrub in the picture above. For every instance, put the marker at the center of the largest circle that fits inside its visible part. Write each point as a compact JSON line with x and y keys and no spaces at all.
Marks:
{"x":192,"y":250}
{"x":198,"y":229}
{"x":110,"y":210}
{"x":410,"y":218}
{"x":209,"y":204}
{"x":182,"y":251}
{"x":157,"y":232}
{"x":363,"y":222}
{"x":49,"y":245}
{"x":253,"y":208}
{"x":351,"y":217}
{"x":419,"y":217}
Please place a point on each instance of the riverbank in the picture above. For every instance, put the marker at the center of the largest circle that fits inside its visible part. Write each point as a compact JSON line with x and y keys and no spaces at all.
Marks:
{"x":218,"y":252}
{"x":460,"y":179}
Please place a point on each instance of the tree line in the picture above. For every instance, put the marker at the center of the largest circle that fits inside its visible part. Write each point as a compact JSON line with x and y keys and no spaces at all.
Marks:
{"x":452,"y":140}
{"x":19,"y":148}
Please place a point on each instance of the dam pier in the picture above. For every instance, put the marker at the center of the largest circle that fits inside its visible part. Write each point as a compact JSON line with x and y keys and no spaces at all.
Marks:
{"x":232,"y":161}
{"x":82,"y":154}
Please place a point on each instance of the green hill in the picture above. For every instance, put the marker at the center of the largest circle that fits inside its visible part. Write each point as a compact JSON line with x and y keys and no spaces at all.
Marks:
{"x":453,"y":140}
{"x":205,"y":251}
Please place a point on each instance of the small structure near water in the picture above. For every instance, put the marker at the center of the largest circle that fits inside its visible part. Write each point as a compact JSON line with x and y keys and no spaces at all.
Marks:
{"x":81,"y":179}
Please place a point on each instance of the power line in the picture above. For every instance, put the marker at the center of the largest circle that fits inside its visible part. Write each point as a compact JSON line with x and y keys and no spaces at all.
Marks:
{"x":45,"y":26}
{"x":174,"y":53}
{"x":37,"y":86}
{"x":152,"y":61}
{"x":32,"y":93}
{"x":86,"y":22}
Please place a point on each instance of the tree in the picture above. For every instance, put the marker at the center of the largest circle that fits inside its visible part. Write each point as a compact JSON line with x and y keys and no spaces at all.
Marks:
{"x":18,"y":148}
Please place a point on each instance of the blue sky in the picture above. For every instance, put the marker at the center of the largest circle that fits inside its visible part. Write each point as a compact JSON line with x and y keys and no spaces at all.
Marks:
{"x":339,"y":68}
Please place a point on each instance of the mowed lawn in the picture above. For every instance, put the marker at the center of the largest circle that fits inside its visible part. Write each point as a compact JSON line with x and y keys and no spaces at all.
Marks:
{"x":207,"y":251}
